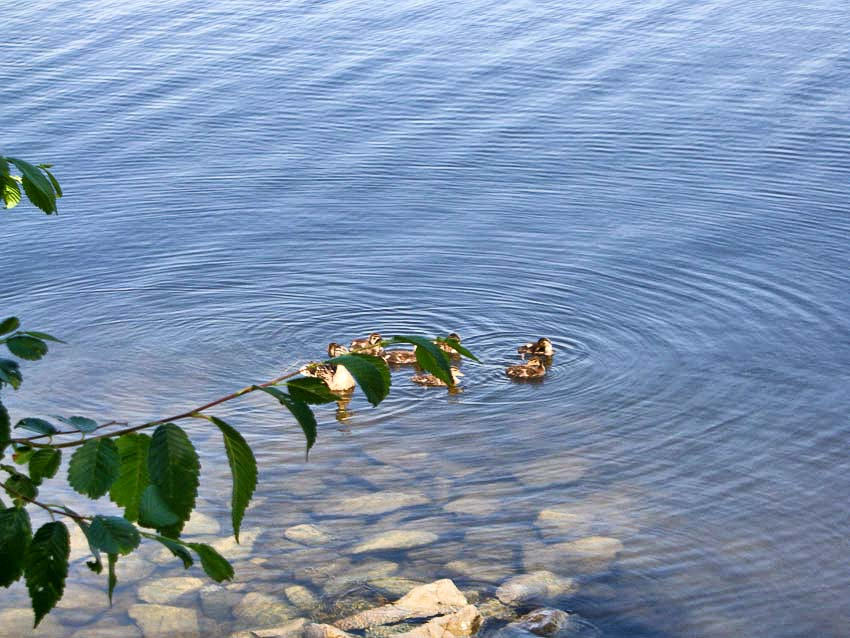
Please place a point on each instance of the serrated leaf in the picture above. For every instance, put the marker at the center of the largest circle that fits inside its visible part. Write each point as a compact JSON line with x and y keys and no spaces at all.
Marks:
{"x":214,"y":564}
{"x":15,"y":536}
{"x":95,"y":565}
{"x":9,"y":324}
{"x":300,"y":410}
{"x":243,"y":468}
{"x":53,"y":181}
{"x":44,"y":464}
{"x":46,"y":566}
{"x":133,"y":476}
{"x":36,"y":425}
{"x":26,"y":347}
{"x":10,"y":192}
{"x":154,"y":511}
{"x":81,"y":423}
{"x":311,"y":390}
{"x":174,"y":468}
{"x":5,"y":429}
{"x":10,"y":372}
{"x":36,"y":185}
{"x":176,"y":548}
{"x":371,"y":373}
{"x":22,"y":454}
{"x":112,"y":579}
{"x":21,"y":488}
{"x":4,"y":166}
{"x":429,"y":356}
{"x":41,"y":335}
{"x":113,"y":534}
{"x":94,"y":467}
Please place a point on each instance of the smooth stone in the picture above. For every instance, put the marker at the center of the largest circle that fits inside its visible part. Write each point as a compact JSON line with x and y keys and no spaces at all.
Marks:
{"x":231,"y":550}
{"x":463,"y":622}
{"x":80,"y":604}
{"x":166,"y":590}
{"x":543,"y":622}
{"x":110,"y":628}
{"x":439,"y":597}
{"x":359,"y":574}
{"x":483,"y":572}
{"x":493,"y":608}
{"x":585,"y":555}
{"x":292,"y":629}
{"x":554,"y":470}
{"x":302,"y":597}
{"x":375,"y":503}
{"x":165,"y":621}
{"x":16,"y":623}
{"x":397,"y":539}
{"x":200,"y":523}
{"x":217,"y":601}
{"x":136,"y":567}
{"x":562,"y":521}
{"x":315,"y":630}
{"x":263,"y":610}
{"x":307,"y":534}
{"x":474,"y":505}
{"x":534,"y":586}
{"x":394,"y":586}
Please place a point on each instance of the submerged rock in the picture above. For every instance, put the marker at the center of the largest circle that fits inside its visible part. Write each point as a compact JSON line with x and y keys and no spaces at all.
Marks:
{"x":263,"y":610}
{"x":307,"y":534}
{"x":375,"y":503}
{"x":463,"y":622}
{"x":543,"y":622}
{"x":165,"y":621}
{"x":535,"y":586}
{"x":397,"y":539}
{"x":167,"y":590}
{"x":315,"y":630}
{"x":107,"y":628}
{"x":554,"y":470}
{"x":487,"y":572}
{"x":585,"y":555}
{"x":356,"y":574}
{"x":302,"y":597}
{"x":292,"y":629}
{"x":15,"y":623}
{"x":201,"y":524}
{"x":217,"y":601}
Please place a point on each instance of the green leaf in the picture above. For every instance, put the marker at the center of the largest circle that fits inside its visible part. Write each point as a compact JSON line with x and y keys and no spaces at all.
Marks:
{"x":113,"y":534}
{"x":5,"y":429}
{"x":26,"y":347}
{"x":9,"y":324}
{"x":10,"y":372}
{"x":311,"y":390}
{"x":42,"y":335}
{"x":10,"y":192}
{"x":81,"y":423}
{"x":174,"y":468}
{"x":37,"y":425}
{"x":53,"y":181}
{"x":21,"y":488}
{"x":15,"y":536}
{"x":22,"y":454}
{"x":94,"y":467}
{"x":46,"y":566}
{"x":112,"y":580}
{"x":154,"y":511}
{"x":95,"y":565}
{"x":243,"y":468}
{"x":4,"y":166}
{"x":175,"y":547}
{"x":300,"y":410}
{"x":429,"y":356}
{"x":37,"y":187}
{"x":454,"y":343}
{"x":133,"y":476}
{"x":44,"y":464}
{"x":214,"y":564}
{"x":371,"y":373}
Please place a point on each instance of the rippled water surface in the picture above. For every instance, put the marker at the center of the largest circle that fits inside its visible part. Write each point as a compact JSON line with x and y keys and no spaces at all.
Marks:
{"x":661,"y":187}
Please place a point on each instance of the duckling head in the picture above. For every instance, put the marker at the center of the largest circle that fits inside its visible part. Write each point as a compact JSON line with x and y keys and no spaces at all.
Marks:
{"x":544,"y":346}
{"x":455,"y":336}
{"x":336,"y":349}
{"x":375,"y":338}
{"x":456,"y":373}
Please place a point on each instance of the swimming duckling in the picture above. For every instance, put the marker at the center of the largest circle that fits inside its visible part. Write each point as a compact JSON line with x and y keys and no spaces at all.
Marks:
{"x":336,"y":377}
{"x":446,"y":347}
{"x":542,"y":346}
{"x":531,"y":370}
{"x":399,"y":357}
{"x":362,"y":345}
{"x":431,"y":380}
{"x":336,"y":349}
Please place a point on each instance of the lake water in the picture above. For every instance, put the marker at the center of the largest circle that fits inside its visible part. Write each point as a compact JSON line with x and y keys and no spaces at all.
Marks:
{"x":660,"y":187}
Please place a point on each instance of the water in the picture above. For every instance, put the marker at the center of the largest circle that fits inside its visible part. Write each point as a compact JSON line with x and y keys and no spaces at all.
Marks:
{"x":659,"y":187}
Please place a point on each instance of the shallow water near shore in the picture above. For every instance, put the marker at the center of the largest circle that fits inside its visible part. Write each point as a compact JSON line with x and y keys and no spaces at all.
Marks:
{"x":661,"y":188}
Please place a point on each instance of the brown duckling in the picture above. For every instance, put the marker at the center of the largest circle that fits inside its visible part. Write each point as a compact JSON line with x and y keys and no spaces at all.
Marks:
{"x":363,"y":345}
{"x":399,"y":357}
{"x":446,"y":347}
{"x":531,"y":370}
{"x":431,"y":380}
{"x":336,"y":377}
{"x":542,"y":346}
{"x":336,"y":349}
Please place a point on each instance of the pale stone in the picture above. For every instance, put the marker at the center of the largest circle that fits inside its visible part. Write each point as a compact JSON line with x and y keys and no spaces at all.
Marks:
{"x":292,"y":629}
{"x":217,"y":601}
{"x":165,"y":621}
{"x":553,"y":470}
{"x":585,"y":555}
{"x":435,"y":598}
{"x":314,"y":630}
{"x":496,"y":609}
{"x":166,"y":590}
{"x":394,"y":586}
{"x":543,"y":622}
{"x":375,"y":503}
{"x":135,"y":567}
{"x":231,"y":550}
{"x":16,"y":623}
{"x":560,"y":522}
{"x":301,"y":597}
{"x":200,"y":523}
{"x":484,"y":572}
{"x":396,"y":539}
{"x":474,"y":505}
{"x":263,"y":610}
{"x":80,"y":604}
{"x":307,"y":534}
{"x":110,"y":628}
{"x":359,"y":574}
{"x":535,"y":586}
{"x":463,"y":622}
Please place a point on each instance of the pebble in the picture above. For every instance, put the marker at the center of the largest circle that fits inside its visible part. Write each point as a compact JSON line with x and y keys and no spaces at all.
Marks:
{"x":165,"y":621}
{"x":535,"y":586}
{"x":307,"y":534}
{"x":301,"y":597}
{"x":397,"y":539}
{"x":167,"y":590}
{"x":374,"y":503}
{"x":263,"y":610}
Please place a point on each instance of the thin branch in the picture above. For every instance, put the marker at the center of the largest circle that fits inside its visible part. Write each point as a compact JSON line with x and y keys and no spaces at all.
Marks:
{"x":45,"y":506}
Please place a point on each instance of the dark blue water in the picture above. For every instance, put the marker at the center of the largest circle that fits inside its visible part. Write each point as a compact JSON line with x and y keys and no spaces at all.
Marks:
{"x":660,"y":187}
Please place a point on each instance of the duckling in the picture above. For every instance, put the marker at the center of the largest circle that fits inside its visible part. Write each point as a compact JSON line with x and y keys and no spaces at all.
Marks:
{"x":532,"y":370}
{"x":400,"y":357}
{"x":431,"y":380}
{"x":446,"y":347}
{"x":362,"y":345}
{"x":336,"y":349}
{"x":336,"y":377}
{"x":542,"y":346}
